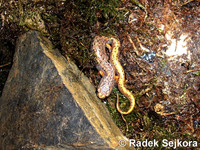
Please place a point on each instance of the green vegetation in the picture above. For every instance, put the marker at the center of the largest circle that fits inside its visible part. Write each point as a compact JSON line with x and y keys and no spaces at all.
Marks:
{"x":71,"y":26}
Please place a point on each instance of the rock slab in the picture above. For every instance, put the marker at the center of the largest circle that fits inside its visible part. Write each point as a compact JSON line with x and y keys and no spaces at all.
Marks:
{"x":48,"y":104}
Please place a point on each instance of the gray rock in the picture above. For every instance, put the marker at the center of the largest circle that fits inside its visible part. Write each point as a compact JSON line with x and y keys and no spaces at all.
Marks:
{"x":48,"y":104}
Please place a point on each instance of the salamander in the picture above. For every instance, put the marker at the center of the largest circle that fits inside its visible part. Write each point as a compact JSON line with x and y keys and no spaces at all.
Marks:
{"x":107,"y":82}
{"x":109,"y":67}
{"x":114,"y":58}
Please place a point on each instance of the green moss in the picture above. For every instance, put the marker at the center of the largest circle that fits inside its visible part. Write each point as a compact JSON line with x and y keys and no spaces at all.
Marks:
{"x":84,"y":17}
{"x":71,"y":26}
{"x":32,"y":21}
{"x":196,"y":73}
{"x":163,"y":63}
{"x":68,"y":24}
{"x":150,"y":126}
{"x":89,"y":10}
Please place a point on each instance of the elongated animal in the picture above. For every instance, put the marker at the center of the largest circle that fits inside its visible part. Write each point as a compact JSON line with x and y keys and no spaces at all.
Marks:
{"x":108,"y":80}
{"x":114,"y":58}
{"x":109,"y":67}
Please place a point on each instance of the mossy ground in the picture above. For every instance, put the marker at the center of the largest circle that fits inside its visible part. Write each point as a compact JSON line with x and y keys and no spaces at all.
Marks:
{"x":72,"y":25}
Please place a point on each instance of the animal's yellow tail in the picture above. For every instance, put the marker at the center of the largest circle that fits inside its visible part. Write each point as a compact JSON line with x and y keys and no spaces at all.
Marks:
{"x":121,"y":77}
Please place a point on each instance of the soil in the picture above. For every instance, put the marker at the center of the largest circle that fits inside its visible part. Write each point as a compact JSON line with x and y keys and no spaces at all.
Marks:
{"x":160,"y":53}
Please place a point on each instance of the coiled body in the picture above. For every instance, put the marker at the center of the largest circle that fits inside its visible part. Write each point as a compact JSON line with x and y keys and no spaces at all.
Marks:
{"x":107,"y":82}
{"x":121,"y":77}
{"x":109,"y":68}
